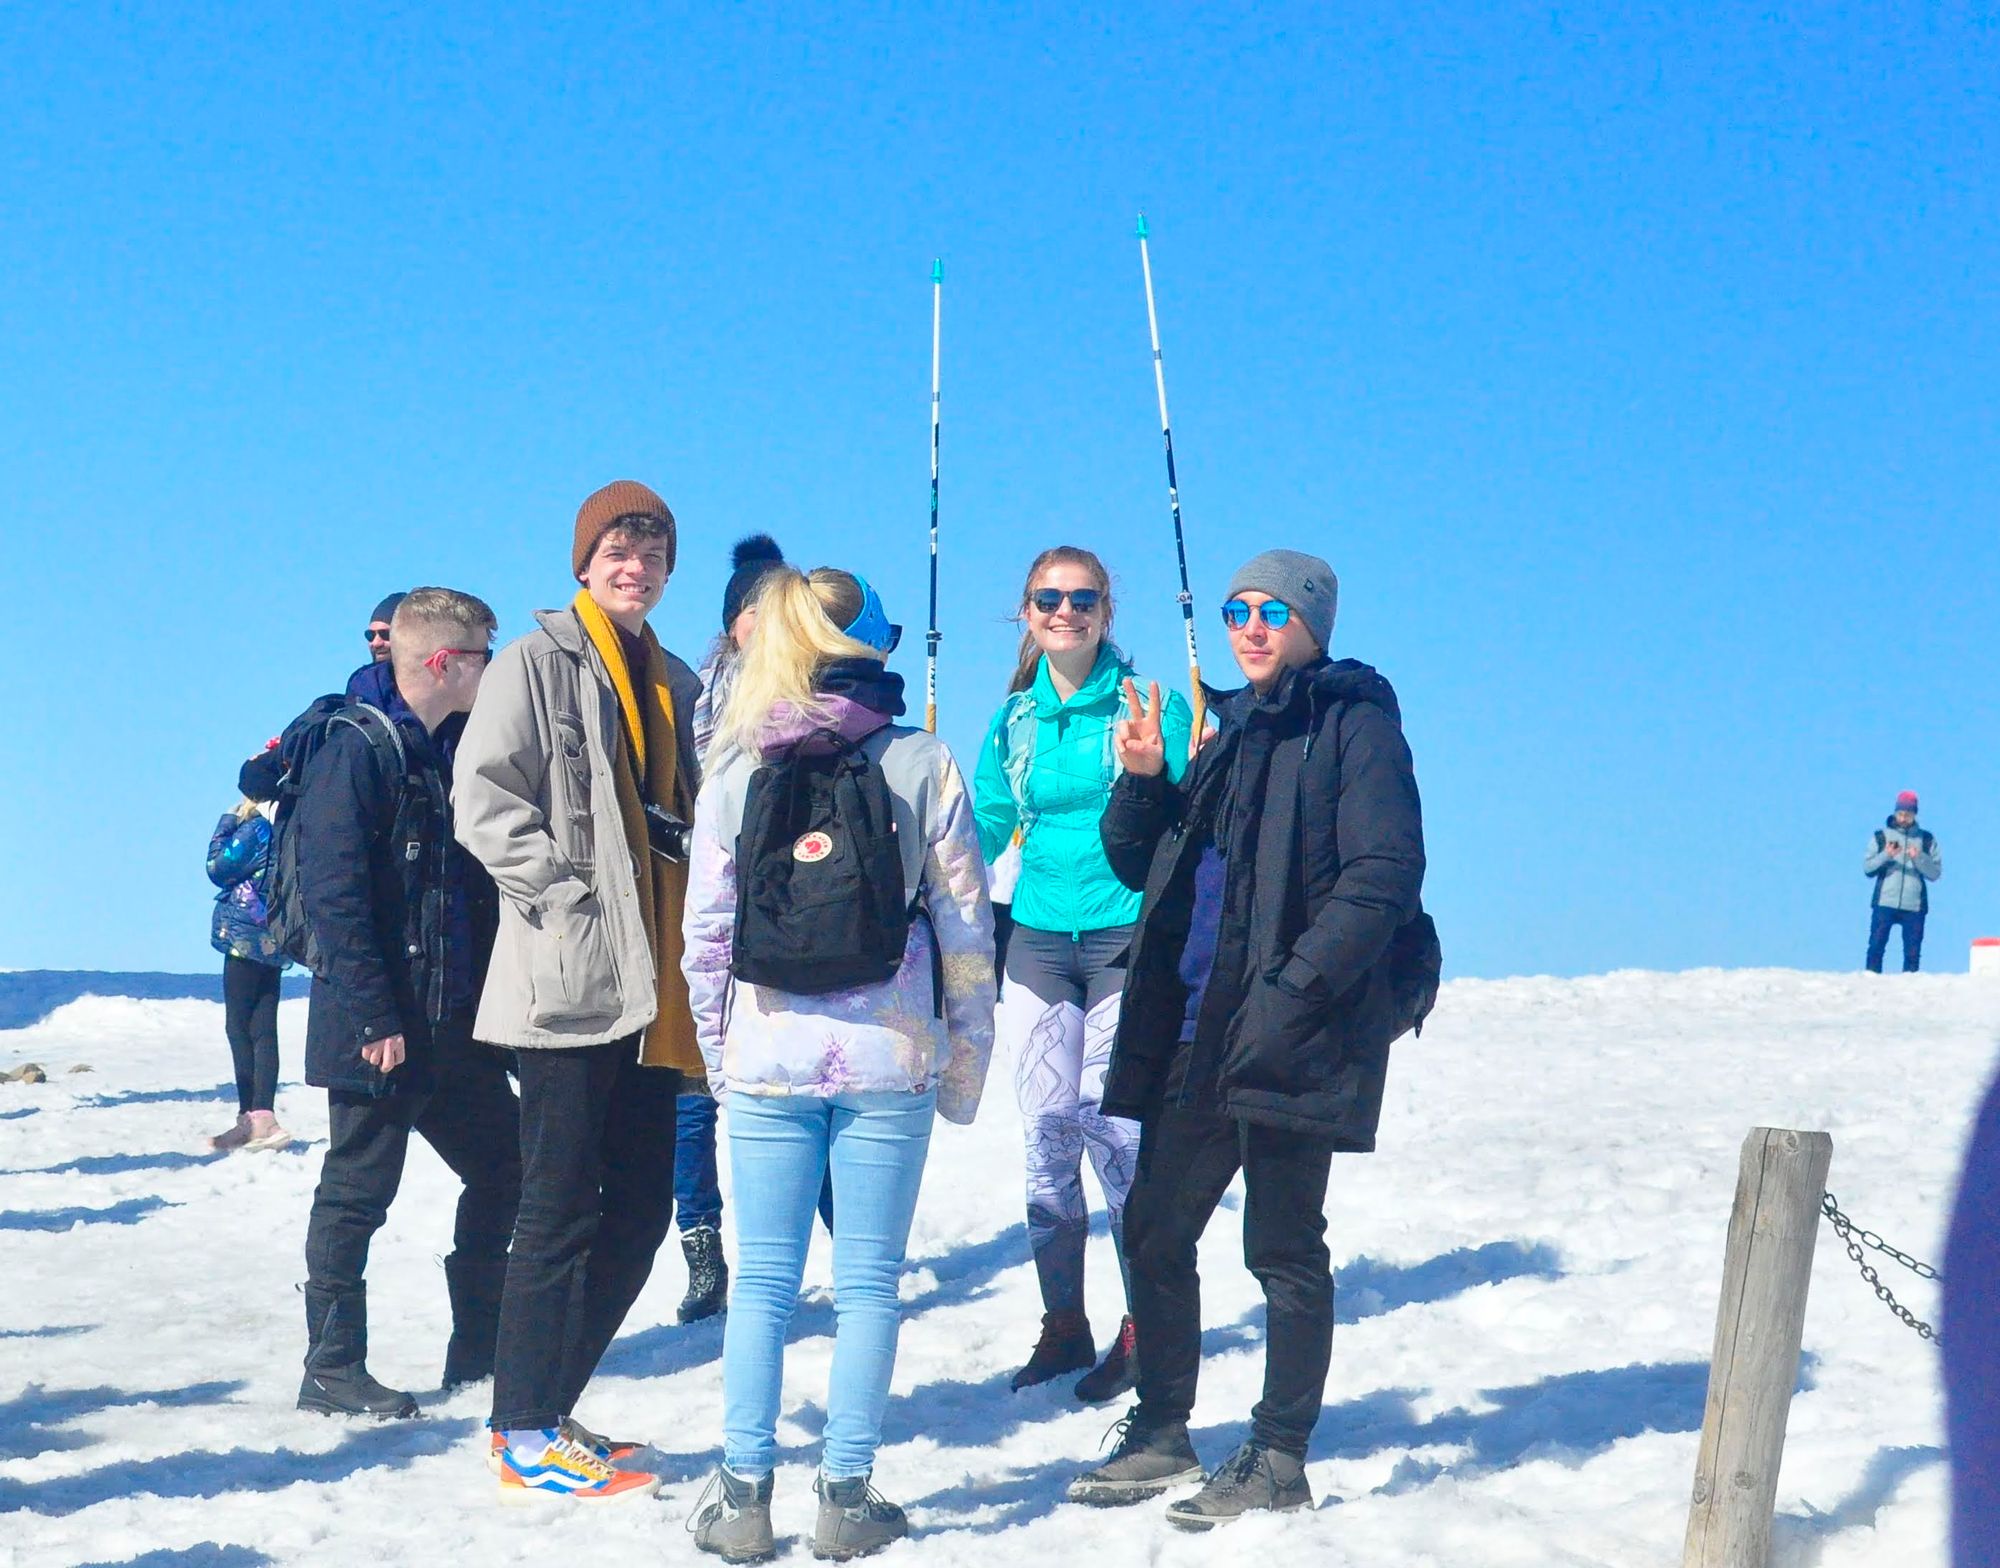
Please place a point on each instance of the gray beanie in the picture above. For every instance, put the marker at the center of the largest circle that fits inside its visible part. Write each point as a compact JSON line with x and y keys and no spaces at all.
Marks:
{"x":1304,"y":582}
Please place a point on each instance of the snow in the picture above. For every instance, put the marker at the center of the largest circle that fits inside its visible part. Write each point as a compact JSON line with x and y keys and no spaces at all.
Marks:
{"x":1528,"y":1276}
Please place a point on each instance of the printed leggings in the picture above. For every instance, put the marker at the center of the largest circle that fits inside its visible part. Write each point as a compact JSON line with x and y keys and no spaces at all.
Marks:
{"x":1057,"y":1017}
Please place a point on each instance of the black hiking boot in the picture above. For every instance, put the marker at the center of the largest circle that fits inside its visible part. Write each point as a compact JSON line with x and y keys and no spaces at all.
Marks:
{"x":337,"y":1382}
{"x":708,"y":1274}
{"x":1065,"y":1346}
{"x":1117,"y":1372}
{"x":1148,"y":1460}
{"x":1254,"y":1478}
{"x":854,"y":1519}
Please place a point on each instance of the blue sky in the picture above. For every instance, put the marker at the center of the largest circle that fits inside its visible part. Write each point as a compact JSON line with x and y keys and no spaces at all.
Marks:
{"x":1636,"y":373}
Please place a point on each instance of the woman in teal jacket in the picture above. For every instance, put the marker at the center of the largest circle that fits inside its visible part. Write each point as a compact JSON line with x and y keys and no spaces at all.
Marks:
{"x":1045,"y":773}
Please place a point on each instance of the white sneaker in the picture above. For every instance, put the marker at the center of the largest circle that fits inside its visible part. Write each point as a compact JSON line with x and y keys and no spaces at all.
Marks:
{"x":265,"y":1133}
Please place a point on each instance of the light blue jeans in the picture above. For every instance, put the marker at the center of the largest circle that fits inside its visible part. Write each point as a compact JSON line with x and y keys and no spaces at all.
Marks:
{"x":779,"y":1149}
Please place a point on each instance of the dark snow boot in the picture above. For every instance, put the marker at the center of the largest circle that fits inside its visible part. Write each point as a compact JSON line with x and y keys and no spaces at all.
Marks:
{"x":1117,"y":1372}
{"x":337,"y":1381}
{"x":474,"y":1285}
{"x":1147,"y":1461}
{"x":708,"y":1274}
{"x":1065,"y":1346}
{"x":1254,"y":1478}
{"x":854,"y":1519}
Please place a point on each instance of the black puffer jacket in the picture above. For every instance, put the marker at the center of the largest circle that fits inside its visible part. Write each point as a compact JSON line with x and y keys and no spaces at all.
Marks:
{"x":1323,"y":836}
{"x":403,"y":916}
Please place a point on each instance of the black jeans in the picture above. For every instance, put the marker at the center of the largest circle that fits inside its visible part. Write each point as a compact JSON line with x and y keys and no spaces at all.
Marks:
{"x":250,"y":1018}
{"x":597,"y":1196}
{"x":469,"y":1116}
{"x":1881,"y":923}
{"x":1187,"y":1159}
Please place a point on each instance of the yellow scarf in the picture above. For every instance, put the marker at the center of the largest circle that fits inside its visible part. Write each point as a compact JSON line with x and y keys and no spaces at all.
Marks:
{"x":648,"y":769}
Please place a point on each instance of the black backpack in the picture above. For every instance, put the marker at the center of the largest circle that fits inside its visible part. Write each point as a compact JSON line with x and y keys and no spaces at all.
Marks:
{"x":1416,"y":964}
{"x":819,"y":874}
{"x":303,"y":737}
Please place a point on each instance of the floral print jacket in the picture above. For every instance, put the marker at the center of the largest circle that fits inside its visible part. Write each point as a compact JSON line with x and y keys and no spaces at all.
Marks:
{"x":896,"y":1037}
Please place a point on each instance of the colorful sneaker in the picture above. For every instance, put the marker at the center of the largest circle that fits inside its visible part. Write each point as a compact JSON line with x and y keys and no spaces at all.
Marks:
{"x":613,"y":1451}
{"x":235,"y":1138}
{"x":265,"y":1133}
{"x":563,"y":1467}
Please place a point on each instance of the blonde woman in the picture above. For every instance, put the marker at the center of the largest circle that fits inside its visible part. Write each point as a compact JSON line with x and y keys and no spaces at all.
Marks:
{"x":821,"y":791}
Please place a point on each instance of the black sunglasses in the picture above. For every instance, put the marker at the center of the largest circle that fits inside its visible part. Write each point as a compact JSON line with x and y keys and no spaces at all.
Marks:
{"x":1049,"y":600}
{"x":372,"y":635}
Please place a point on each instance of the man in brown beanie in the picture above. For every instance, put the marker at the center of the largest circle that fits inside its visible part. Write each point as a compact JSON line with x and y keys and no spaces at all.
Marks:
{"x":575,"y":769}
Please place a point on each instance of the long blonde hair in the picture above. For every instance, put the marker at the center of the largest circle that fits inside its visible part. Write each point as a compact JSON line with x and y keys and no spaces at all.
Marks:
{"x":799,"y":621}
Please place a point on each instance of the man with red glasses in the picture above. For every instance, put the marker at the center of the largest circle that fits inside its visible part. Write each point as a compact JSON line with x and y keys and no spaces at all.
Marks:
{"x":1280,"y":948}
{"x":404,"y":921}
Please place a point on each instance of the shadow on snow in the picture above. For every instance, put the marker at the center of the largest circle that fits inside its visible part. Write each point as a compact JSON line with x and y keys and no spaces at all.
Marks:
{"x":208,"y":1554}
{"x":130,"y":1212}
{"x":1804,"y":1536}
{"x":205,"y":1474}
{"x":27,"y":1420}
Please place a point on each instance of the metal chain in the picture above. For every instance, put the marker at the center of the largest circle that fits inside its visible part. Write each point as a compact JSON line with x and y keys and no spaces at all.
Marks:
{"x":1856,"y":1238}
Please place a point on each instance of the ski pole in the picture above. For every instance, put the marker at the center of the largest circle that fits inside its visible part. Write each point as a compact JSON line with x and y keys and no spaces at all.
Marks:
{"x":933,"y":637}
{"x":1173,"y":488}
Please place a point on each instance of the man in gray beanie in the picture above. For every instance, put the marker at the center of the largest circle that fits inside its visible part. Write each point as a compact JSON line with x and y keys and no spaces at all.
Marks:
{"x":1280,"y":948}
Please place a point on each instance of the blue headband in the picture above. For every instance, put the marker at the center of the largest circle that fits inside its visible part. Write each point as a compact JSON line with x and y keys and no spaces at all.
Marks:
{"x":872,"y":625}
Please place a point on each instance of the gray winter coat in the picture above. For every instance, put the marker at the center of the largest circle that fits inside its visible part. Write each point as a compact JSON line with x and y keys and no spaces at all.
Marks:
{"x":535,"y":798}
{"x":1902,"y":880}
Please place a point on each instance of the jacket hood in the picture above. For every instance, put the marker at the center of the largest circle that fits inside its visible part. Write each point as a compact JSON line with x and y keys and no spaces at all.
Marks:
{"x":1891,"y":822}
{"x":857,"y":697}
{"x":374,"y":684}
{"x":1324,"y":683}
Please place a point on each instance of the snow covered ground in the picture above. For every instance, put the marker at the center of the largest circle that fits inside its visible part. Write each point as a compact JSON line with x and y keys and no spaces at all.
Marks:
{"x":1528,"y":1273}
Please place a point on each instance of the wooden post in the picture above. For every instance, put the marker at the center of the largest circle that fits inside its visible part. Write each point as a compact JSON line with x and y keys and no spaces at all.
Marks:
{"x":1758,"y":1329}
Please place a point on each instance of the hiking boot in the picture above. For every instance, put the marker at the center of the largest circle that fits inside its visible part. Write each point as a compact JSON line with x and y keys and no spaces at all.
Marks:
{"x":854,"y":1519}
{"x":1065,"y":1346}
{"x":265,"y":1133}
{"x":352,"y":1391}
{"x":1148,"y":1460}
{"x":337,"y":1382}
{"x":1253,"y":1478}
{"x":550,"y":1464}
{"x":733,"y":1518}
{"x":234,"y":1138}
{"x":708,"y":1274}
{"x":1117,"y":1372}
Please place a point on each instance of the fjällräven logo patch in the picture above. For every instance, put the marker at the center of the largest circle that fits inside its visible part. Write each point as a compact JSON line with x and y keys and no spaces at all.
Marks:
{"x":812,"y":848}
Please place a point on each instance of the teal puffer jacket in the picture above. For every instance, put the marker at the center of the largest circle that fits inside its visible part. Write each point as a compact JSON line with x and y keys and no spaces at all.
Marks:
{"x":1047,"y":768}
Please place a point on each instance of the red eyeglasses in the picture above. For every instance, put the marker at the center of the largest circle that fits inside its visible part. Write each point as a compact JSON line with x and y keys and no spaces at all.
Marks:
{"x":435,"y":663}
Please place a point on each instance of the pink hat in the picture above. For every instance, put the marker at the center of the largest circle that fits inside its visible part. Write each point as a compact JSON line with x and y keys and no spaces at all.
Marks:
{"x":1907,"y":801}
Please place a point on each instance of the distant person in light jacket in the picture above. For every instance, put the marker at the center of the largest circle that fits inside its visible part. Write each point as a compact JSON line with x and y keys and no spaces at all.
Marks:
{"x":1904,"y":860}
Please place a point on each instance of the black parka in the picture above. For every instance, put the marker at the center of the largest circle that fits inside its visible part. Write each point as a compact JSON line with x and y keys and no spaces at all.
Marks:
{"x":1324,"y":846}
{"x":377,"y":870}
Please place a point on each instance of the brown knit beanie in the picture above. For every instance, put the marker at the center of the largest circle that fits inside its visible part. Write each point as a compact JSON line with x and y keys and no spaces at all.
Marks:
{"x":620,"y":498}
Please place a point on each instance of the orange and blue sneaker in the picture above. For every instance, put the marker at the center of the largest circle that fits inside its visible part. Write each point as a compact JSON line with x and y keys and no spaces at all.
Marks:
{"x":551,"y":1463}
{"x":614,"y":1451}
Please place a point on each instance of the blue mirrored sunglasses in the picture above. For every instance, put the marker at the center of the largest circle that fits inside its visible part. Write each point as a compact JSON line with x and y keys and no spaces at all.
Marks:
{"x":1274,"y":613}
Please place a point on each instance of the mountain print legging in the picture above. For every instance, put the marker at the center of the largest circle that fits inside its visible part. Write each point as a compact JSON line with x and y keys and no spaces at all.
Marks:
{"x":1057,"y":1016}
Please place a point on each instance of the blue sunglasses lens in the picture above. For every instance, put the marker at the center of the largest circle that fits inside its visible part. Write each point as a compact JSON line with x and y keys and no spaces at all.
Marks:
{"x":1273,"y":612}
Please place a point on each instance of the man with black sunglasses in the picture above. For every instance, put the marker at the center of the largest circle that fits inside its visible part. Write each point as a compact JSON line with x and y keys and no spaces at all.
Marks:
{"x":1280,"y":948}
{"x":375,"y":681}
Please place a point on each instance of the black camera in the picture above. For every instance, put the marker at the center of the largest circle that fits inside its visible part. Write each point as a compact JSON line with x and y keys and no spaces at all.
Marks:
{"x":667,"y":834}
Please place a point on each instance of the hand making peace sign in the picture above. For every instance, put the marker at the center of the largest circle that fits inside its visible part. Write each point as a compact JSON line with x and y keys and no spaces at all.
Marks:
{"x":1137,"y":735}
